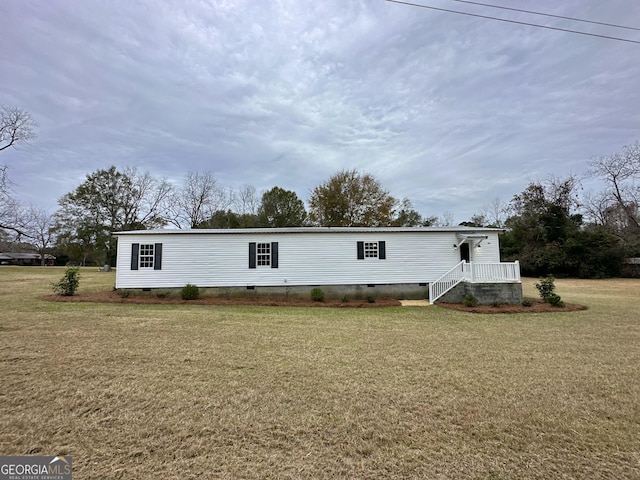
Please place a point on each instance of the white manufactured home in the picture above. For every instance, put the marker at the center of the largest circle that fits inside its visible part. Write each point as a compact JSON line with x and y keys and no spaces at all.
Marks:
{"x":428,"y":262}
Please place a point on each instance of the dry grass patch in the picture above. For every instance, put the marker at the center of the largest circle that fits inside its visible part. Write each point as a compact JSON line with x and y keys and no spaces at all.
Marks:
{"x":196,"y":391}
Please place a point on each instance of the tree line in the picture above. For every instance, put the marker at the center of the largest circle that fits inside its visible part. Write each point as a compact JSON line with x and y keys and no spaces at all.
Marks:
{"x":112,"y":200}
{"x":552,"y":227}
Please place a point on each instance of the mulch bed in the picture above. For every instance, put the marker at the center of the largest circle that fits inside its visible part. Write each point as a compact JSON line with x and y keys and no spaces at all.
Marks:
{"x":174,"y":299}
{"x":537,"y":306}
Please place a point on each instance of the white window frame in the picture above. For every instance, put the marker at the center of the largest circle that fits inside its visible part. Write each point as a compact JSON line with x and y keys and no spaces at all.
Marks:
{"x":263,"y":254}
{"x":370,"y":250}
{"x":146,"y":255}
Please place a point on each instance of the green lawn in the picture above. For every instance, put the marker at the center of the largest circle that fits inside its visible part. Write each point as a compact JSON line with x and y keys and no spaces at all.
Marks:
{"x":150,"y":391}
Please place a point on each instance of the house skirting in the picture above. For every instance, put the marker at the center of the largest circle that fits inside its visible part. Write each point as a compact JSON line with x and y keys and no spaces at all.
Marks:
{"x":486,"y":293}
{"x":410,"y":291}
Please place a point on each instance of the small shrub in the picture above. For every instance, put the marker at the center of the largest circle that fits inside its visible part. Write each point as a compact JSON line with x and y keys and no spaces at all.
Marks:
{"x":496,"y":303}
{"x":317,"y":295}
{"x":555,"y":300}
{"x":345,"y":299}
{"x":527,"y":302}
{"x":190,"y":292}
{"x":371,"y":299}
{"x":470,"y":300}
{"x":546,"y":287}
{"x":124,"y":293}
{"x":162,"y":294}
{"x":69,"y":282}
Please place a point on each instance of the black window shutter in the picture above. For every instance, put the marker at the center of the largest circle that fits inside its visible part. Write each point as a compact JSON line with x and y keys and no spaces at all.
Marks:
{"x":135,"y":248}
{"x":274,"y":254}
{"x":157,"y":256}
{"x":360,"y":250}
{"x":382,"y":250}
{"x":252,"y":255}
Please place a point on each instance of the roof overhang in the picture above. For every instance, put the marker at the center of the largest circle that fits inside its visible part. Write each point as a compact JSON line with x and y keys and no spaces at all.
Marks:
{"x":472,"y":238}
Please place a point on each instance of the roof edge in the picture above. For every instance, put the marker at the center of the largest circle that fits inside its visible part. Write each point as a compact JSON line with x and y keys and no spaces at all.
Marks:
{"x":319,"y":230}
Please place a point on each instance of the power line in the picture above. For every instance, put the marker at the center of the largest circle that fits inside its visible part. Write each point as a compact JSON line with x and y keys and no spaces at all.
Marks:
{"x":514,"y":21}
{"x":546,"y":14}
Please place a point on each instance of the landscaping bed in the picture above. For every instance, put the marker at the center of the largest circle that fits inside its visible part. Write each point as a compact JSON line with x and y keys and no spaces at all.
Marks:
{"x":537,"y":306}
{"x":174,"y":299}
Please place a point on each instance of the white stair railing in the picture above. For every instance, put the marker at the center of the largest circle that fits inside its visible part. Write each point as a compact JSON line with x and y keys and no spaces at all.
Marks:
{"x":474,"y":273}
{"x":446,"y":282}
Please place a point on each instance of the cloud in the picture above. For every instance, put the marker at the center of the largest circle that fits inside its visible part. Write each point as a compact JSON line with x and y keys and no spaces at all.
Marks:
{"x":449,"y":111}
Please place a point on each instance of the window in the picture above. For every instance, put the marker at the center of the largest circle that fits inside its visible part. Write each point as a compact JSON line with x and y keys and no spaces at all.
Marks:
{"x":370,"y":249}
{"x":264,"y":253}
{"x":146,"y":256}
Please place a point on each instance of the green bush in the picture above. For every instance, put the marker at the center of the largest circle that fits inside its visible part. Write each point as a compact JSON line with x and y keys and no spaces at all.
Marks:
{"x":555,"y":300}
{"x":470,"y":300}
{"x":527,"y":302}
{"x":190,"y":292}
{"x":496,"y":303}
{"x":345,"y":299}
{"x":124,"y":293}
{"x":317,"y":295}
{"x":69,"y":282}
{"x":546,"y":287}
{"x":164,"y":294}
{"x":371,"y":299}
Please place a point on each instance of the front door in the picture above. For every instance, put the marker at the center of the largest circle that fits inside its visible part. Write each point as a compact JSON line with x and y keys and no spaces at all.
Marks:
{"x":465,"y":253}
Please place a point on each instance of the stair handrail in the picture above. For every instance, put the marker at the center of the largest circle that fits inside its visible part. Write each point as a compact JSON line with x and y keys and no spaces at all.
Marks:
{"x":446,"y":282}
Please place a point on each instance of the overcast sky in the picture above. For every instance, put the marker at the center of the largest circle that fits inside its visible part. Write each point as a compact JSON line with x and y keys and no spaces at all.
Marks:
{"x":448,"y":110}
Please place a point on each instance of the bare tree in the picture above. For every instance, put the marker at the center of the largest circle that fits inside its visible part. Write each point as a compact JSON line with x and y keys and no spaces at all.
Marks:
{"x":446,"y":220}
{"x":40,"y":230}
{"x":496,"y":212}
{"x":4,"y":179}
{"x":199,"y":198}
{"x":595,"y":207}
{"x":492,"y":215}
{"x":16,"y":126}
{"x":246,"y":200}
{"x":247,"y":204}
{"x":11,"y":219}
{"x":150,"y":197}
{"x":621,"y":174}
{"x":30,"y":224}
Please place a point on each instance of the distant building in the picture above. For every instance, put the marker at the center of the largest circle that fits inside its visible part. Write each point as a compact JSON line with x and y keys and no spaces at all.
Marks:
{"x":631,"y":267}
{"x":25,"y":258}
